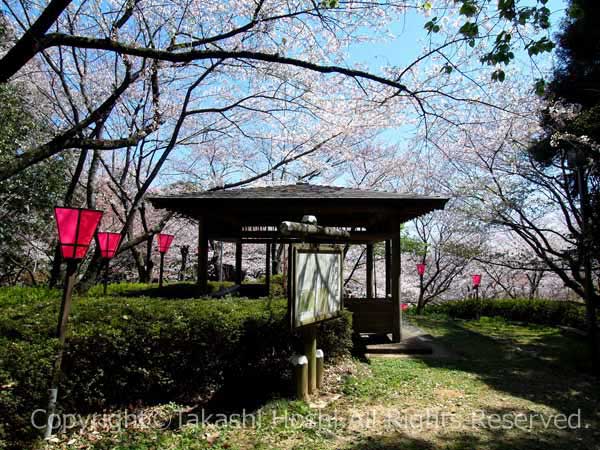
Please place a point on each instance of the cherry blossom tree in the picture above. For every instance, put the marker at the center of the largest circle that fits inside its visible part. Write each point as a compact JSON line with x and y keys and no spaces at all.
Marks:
{"x":194,"y":43}
{"x":194,"y":95}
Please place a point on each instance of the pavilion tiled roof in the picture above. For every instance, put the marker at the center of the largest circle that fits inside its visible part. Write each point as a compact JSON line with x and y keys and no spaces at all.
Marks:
{"x":225,"y":211}
{"x":297,"y":191}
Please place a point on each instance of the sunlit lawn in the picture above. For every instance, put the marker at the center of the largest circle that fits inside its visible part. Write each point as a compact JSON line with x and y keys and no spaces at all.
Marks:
{"x":504,"y":374}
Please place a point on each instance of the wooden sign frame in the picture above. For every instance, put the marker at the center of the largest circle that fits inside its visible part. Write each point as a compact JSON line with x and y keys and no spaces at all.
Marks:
{"x":295,"y":252}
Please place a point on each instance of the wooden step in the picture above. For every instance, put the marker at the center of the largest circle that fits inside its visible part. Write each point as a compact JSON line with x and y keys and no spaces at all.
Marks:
{"x":412,"y":346}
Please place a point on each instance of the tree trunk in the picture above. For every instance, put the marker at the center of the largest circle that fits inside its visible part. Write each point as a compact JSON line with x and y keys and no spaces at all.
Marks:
{"x":92,"y":274}
{"x":185,"y":250}
{"x":588,"y":284}
{"x":55,"y":271}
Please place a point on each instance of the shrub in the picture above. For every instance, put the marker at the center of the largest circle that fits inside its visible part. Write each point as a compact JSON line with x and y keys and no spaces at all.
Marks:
{"x":124,"y":350}
{"x":543,"y":312}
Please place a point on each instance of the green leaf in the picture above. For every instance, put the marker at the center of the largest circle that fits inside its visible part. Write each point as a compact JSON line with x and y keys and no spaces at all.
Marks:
{"x":498,"y":75}
{"x":468,"y":8}
{"x":447,"y":68}
{"x":329,"y":3}
{"x":507,"y":9}
{"x":542,"y":46}
{"x":540,"y":87}
{"x":432,"y":26}
{"x":469,"y":29}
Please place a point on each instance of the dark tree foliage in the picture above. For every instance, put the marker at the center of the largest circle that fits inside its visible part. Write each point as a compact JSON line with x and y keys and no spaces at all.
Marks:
{"x":27,"y":200}
{"x":577,"y":76}
{"x":570,"y":145}
{"x":576,"y":80}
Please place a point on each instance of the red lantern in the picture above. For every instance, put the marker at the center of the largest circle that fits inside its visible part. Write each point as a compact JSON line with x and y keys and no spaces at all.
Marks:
{"x":164,"y":242}
{"x":421,"y":269}
{"x":109,"y":243}
{"x":76,"y":227}
{"x":404,"y":306}
{"x":476,"y":280}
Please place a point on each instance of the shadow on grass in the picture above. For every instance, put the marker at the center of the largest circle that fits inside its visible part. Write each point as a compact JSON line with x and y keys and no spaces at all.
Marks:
{"x":486,"y":439}
{"x":174,"y":291}
{"x":480,"y":433}
{"x":187,"y":290}
{"x":548,"y":369}
{"x":243,"y":397}
{"x":262,"y":373}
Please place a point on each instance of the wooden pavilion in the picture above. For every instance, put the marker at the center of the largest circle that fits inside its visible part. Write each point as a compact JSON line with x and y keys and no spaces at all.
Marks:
{"x":253,"y":216}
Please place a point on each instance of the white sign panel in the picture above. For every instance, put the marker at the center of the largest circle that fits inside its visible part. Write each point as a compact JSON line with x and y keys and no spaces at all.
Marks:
{"x":317,"y":284}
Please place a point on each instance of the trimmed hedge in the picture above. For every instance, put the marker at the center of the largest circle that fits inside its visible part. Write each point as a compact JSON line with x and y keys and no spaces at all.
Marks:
{"x":125,"y":350}
{"x":543,"y":312}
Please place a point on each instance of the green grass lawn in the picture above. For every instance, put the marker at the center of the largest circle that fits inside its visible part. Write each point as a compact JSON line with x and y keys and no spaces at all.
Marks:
{"x":504,"y":374}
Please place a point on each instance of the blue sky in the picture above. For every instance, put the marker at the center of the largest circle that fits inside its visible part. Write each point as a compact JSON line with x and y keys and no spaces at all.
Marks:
{"x":404,"y":49}
{"x":407,"y":46}
{"x":410,"y":30}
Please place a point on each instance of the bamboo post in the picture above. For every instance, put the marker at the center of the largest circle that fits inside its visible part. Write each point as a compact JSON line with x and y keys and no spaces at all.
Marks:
{"x":320,"y":367}
{"x":304,"y":229}
{"x":300,"y":363}
{"x":61,"y":332}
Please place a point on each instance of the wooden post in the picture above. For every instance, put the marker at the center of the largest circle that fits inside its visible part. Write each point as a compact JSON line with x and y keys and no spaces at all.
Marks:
{"x":388,"y":268}
{"x":395,"y":284}
{"x":238,"y":262}
{"x":268,"y":269}
{"x":300,"y":364}
{"x":370,"y":271}
{"x":160,"y":273}
{"x":202,"y":257}
{"x":274,"y":262}
{"x":61,"y":332}
{"x":310,"y":350}
{"x":286,"y":271}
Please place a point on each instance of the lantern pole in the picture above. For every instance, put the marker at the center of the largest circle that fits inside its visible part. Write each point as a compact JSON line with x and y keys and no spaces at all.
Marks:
{"x":476,"y":279}
{"x":164,"y":242}
{"x":420,"y":289}
{"x":63,"y":317}
{"x":107,"y":262}
{"x":421,"y":273}
{"x":65,"y":305}
{"x":109,"y":244}
{"x":160,"y":277}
